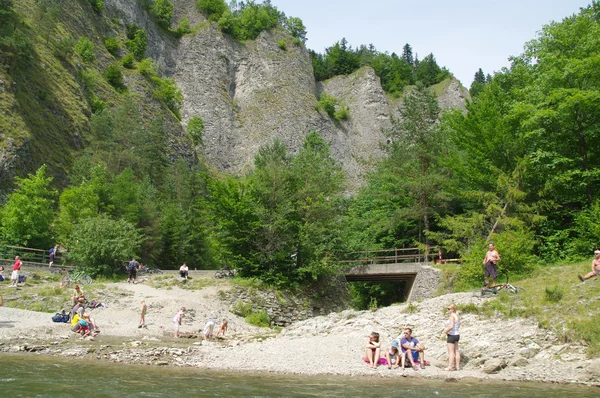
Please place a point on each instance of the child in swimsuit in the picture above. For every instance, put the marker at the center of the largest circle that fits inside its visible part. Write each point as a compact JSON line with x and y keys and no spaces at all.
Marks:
{"x":143,"y":311}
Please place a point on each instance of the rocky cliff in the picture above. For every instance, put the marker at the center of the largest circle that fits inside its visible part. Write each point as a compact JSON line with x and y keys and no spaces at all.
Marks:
{"x":247,"y":93}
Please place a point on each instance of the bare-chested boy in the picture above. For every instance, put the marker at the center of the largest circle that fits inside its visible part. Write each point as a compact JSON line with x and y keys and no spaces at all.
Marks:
{"x":595,"y":267}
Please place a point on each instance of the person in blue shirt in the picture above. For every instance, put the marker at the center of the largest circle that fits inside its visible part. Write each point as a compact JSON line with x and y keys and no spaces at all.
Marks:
{"x":412,"y":349}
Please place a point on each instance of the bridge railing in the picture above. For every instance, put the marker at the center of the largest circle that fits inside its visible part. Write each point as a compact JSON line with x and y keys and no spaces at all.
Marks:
{"x":30,"y":255}
{"x":388,"y":256}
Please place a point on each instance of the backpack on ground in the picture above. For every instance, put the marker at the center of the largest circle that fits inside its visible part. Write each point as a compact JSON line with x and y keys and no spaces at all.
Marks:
{"x":61,"y":317}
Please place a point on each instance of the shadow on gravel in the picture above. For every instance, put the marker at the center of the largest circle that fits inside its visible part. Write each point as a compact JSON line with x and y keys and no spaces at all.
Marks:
{"x":7,"y":324}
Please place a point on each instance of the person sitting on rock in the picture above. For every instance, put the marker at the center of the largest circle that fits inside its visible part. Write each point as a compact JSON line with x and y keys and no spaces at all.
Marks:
{"x":77,"y":294}
{"x":412,"y":349}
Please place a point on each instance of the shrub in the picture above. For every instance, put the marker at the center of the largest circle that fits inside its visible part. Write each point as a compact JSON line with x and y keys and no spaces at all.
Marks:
{"x":343,"y":113}
{"x":242,"y":309}
{"x":64,"y":48}
{"x":114,"y":76}
{"x":296,"y":41}
{"x":162,"y":10}
{"x":327,"y":103}
{"x":96,"y":104}
{"x":147,"y":68}
{"x":128,"y":61}
{"x":554,"y":294}
{"x":282,"y":45}
{"x":98,"y":5}
{"x":260,"y":318}
{"x":167,"y":91}
{"x":112,"y":46}
{"x":85,"y":49}
{"x":137,"y":41}
{"x":195,"y":129}
{"x":213,"y":9}
{"x":183,"y":27}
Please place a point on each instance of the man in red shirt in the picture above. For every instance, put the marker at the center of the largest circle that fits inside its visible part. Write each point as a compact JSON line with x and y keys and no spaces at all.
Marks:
{"x":14,"y":277}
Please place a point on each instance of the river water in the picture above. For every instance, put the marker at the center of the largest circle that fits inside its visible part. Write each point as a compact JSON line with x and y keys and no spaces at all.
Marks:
{"x":41,"y":376}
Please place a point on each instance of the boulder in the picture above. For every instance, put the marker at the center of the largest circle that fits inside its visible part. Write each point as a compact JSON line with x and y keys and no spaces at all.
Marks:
{"x":494,"y":365}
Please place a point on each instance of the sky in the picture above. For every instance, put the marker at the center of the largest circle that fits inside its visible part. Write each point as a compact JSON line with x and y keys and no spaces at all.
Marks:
{"x":463,"y":35}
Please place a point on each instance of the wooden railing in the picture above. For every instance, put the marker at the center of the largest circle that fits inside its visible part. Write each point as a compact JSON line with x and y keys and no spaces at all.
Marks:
{"x":30,"y":255}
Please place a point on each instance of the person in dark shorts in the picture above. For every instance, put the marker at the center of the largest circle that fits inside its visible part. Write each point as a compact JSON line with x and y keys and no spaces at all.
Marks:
{"x":490,"y":264}
{"x":132,"y":270}
{"x":452,"y":338}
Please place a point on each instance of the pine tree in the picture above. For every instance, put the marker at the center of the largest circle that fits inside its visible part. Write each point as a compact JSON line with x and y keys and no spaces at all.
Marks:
{"x":407,"y":54}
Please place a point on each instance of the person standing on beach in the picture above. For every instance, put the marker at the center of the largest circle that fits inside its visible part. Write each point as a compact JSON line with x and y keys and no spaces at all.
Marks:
{"x":223,"y":328}
{"x":143,"y":311}
{"x":452,"y":338}
{"x":178,"y":320}
{"x":14,"y":277}
{"x":208,"y":329}
{"x":595,"y":267}
{"x":490,"y":263}
{"x":132,"y":269}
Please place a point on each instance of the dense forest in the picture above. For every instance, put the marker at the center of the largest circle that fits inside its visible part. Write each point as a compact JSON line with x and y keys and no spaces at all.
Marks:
{"x":519,"y":168}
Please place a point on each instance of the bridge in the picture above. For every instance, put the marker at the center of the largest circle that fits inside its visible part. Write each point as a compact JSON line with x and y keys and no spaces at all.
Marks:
{"x":409,"y":266}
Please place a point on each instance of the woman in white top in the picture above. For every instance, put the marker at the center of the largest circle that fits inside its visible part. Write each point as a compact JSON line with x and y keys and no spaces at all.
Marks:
{"x":452,"y":338}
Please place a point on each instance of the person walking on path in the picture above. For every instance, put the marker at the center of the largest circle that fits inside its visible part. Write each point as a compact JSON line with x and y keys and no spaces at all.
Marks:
{"x":14,"y":277}
{"x":490,"y":263}
{"x":452,"y":338}
{"x":143,"y":311}
{"x":52,"y":255}
{"x":178,"y":320}
{"x":132,"y":269}
{"x":595,"y":267}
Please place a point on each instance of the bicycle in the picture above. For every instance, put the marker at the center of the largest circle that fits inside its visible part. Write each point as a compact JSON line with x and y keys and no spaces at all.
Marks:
{"x":489,"y":291}
{"x":76,"y":277}
{"x":224,"y":273}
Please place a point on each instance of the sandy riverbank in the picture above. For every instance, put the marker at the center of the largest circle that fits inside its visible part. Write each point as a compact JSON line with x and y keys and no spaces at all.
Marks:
{"x":494,"y":349}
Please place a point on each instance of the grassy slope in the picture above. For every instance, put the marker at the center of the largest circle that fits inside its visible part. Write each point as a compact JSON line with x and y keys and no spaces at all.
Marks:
{"x":557,"y":300}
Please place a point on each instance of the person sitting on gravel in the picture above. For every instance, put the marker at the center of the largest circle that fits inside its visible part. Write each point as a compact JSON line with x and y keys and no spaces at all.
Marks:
{"x":82,"y":327}
{"x":392,"y":355}
{"x":184,"y":271}
{"x":178,"y":320}
{"x":93,"y":326}
{"x":373,"y":351}
{"x":77,"y":294}
{"x":78,"y":309}
{"x":412,"y":349}
{"x":2,"y":274}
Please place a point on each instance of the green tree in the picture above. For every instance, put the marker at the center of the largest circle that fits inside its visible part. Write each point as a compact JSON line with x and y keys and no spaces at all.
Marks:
{"x":26,"y":218}
{"x":114,"y":75}
{"x":195,"y":130}
{"x":137,"y":41}
{"x":428,"y":71}
{"x":416,"y":146}
{"x":296,"y":28}
{"x":213,"y":9}
{"x":85,"y":49}
{"x":162,"y":10}
{"x":47,"y":14}
{"x":75,"y":204}
{"x":407,"y":54}
{"x":100,"y":244}
{"x":478,"y":84}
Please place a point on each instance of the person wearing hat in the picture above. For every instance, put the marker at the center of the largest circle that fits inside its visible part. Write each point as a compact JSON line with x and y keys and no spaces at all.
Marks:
{"x":595,"y":267}
{"x":392,"y":355}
